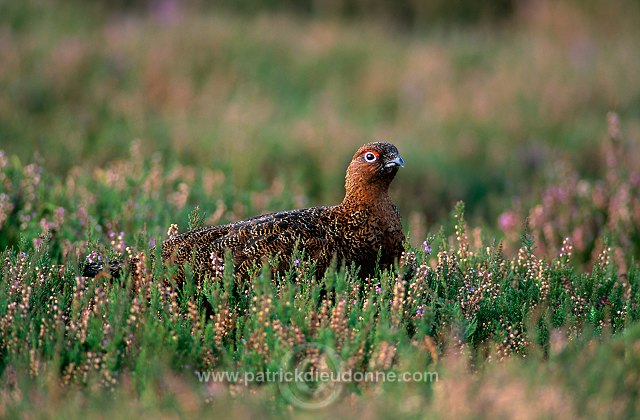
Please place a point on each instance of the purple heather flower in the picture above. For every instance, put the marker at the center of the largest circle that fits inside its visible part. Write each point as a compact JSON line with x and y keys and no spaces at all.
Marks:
{"x":296,"y":262}
{"x":420,"y":311}
{"x":426,"y":247}
{"x":93,"y":257}
{"x":378,"y":289}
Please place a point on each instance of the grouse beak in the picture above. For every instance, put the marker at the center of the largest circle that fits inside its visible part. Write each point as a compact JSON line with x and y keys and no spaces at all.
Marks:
{"x":396,"y":161}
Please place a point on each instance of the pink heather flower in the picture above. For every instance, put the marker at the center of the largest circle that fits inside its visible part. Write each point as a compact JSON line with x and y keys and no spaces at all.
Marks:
{"x":508,"y":221}
{"x":58,"y":216}
{"x":45,"y":224}
{"x":118,"y":242}
{"x":6,"y":207}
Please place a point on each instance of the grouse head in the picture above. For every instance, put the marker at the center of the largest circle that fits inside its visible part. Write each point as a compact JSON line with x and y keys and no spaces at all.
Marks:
{"x":372,"y":169}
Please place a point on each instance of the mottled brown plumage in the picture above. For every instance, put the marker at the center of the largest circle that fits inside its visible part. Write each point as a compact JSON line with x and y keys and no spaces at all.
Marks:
{"x":364,"y":229}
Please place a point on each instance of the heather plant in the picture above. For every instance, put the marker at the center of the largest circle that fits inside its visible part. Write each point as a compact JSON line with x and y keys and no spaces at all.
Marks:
{"x":588,"y":218}
{"x":449,"y":296}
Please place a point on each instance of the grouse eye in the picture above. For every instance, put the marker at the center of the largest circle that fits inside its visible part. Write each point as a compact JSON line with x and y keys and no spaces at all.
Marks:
{"x":370,"y":157}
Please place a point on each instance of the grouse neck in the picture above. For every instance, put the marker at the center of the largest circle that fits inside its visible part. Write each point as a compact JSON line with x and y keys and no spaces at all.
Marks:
{"x":373,"y":195}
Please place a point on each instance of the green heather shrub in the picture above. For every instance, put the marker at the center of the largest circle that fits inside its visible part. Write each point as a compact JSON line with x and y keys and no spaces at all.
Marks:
{"x":451,"y":295}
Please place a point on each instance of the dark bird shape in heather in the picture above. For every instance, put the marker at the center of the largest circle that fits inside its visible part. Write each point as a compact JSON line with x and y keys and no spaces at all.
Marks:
{"x":364,"y":229}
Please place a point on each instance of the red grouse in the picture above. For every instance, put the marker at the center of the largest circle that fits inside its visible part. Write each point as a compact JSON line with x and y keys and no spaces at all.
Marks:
{"x":364,"y":229}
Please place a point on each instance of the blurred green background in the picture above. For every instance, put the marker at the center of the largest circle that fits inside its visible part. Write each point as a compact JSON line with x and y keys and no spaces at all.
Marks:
{"x":482,"y":98}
